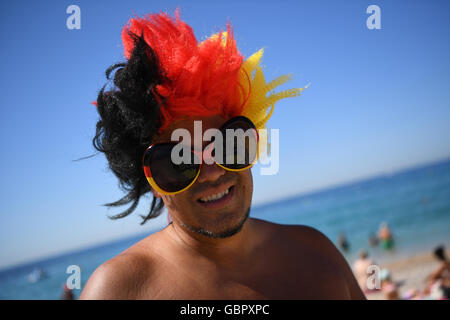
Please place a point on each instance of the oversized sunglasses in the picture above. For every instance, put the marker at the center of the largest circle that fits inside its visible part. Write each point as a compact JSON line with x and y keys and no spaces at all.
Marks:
{"x":239,"y":152}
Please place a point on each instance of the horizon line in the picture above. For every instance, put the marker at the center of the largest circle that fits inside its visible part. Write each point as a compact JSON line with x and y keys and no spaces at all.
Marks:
{"x":354,"y":181}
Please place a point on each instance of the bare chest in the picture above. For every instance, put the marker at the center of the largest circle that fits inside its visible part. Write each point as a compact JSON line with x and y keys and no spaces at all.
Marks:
{"x":286,"y":280}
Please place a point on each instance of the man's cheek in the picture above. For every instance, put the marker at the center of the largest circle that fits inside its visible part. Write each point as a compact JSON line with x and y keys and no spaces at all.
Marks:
{"x":178,"y":202}
{"x":170,"y":202}
{"x":246,"y":181}
{"x":250,"y":181}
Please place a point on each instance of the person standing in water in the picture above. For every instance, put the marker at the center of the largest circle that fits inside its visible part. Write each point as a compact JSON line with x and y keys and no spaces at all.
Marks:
{"x":343,"y":242}
{"x":385,"y":236}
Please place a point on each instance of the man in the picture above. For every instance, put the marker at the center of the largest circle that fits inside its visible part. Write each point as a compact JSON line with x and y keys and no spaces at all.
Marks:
{"x":362,"y":271}
{"x":212,"y":249}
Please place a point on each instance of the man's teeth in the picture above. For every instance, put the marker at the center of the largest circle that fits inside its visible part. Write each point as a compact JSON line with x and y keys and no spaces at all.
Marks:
{"x":214,"y":197}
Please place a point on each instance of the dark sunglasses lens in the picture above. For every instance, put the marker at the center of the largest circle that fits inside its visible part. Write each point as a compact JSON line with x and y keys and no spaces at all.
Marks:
{"x":240,"y":143}
{"x":169,"y":176}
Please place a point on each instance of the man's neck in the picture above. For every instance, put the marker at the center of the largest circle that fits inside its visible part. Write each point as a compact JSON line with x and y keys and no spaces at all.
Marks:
{"x":222,"y":251}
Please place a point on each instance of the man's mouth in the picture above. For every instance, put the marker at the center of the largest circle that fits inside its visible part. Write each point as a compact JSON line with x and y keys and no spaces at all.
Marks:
{"x":217,"y":199}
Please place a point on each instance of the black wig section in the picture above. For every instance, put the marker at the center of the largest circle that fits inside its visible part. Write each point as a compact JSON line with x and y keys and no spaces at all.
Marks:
{"x":129,"y":119}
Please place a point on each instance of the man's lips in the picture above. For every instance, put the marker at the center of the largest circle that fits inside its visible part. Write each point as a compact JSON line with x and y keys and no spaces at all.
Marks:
{"x":213,"y":190}
{"x":219,"y":203}
{"x":227,"y":188}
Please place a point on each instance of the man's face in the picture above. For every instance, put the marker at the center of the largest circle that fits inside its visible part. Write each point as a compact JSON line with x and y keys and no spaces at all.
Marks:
{"x":195,"y":208}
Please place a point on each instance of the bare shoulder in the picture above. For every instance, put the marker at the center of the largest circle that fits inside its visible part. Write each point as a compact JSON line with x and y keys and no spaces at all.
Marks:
{"x":322,"y":244}
{"x":299,"y":238}
{"x":126,"y":276}
{"x":122,"y":277}
{"x":293,"y":235}
{"x":310,"y":236}
{"x":288,"y":232}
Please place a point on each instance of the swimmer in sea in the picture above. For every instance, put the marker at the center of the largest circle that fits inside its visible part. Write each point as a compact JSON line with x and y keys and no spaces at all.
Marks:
{"x":385,"y":236}
{"x":343,"y":242}
{"x":212,"y":248}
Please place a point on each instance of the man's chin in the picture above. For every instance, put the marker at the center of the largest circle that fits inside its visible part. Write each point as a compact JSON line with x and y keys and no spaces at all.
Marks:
{"x":218,"y":232}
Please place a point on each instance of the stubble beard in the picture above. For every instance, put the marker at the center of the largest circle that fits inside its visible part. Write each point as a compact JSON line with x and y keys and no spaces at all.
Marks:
{"x":218,"y":235}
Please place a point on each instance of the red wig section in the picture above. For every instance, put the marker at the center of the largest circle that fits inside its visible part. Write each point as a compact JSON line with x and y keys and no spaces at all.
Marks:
{"x":203,"y":77}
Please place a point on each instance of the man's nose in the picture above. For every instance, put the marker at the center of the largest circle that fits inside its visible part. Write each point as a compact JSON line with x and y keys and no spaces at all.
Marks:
{"x":210,"y":172}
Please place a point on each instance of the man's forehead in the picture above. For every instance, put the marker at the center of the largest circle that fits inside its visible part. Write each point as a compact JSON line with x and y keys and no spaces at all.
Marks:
{"x":188,"y":124}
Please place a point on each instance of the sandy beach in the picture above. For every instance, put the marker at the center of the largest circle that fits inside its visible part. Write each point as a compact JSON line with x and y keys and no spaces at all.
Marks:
{"x":411,"y":272}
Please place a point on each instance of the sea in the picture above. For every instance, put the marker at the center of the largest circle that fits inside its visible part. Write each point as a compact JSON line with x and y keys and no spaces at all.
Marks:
{"x":415,"y":203}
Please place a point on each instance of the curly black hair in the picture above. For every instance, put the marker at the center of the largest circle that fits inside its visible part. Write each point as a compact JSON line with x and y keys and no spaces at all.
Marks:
{"x":129,"y":119}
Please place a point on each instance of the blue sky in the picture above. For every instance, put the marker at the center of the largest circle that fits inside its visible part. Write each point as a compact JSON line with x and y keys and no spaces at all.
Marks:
{"x":379,"y":101}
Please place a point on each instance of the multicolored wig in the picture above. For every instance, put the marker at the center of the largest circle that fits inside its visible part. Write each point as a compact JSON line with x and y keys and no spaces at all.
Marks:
{"x":206,"y":78}
{"x":169,"y":76}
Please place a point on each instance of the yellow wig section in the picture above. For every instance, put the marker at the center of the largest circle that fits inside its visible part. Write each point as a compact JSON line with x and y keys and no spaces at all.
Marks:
{"x":260,"y":96}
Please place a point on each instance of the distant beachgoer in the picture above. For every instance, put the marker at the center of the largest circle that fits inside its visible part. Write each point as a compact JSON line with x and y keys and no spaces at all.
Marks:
{"x":36,"y":275}
{"x":67,"y":293}
{"x":360,"y":269}
{"x":439,"y":281}
{"x":385,"y":236}
{"x":389,"y":287}
{"x":343,"y":243}
{"x":413,"y":294}
{"x":373,"y":240}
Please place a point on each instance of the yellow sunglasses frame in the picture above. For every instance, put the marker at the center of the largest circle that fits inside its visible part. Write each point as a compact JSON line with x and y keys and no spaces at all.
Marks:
{"x":154,"y":185}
